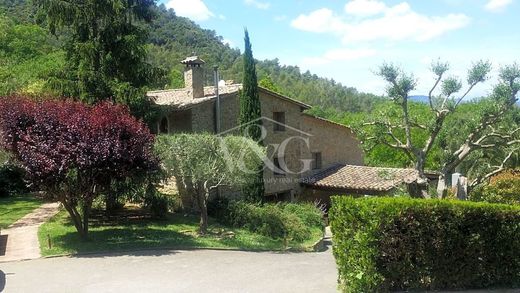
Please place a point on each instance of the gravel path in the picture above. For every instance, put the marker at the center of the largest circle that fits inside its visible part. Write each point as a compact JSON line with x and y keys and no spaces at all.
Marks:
{"x":20,"y":240}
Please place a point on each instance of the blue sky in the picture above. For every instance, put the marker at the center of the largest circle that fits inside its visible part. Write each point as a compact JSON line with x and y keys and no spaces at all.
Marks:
{"x":348,"y":40}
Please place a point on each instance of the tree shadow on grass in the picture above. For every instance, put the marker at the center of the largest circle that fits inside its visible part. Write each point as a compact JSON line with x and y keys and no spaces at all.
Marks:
{"x":146,"y":237}
{"x":125,"y":241}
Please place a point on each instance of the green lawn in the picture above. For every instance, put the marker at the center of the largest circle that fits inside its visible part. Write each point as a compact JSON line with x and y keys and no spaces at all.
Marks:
{"x":176,"y":232}
{"x":13,"y":208}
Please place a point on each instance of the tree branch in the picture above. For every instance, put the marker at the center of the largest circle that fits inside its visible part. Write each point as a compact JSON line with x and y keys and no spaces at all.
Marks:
{"x":498,"y":169}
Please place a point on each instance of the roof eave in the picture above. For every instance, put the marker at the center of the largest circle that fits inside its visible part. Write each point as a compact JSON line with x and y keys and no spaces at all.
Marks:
{"x":286,"y":98}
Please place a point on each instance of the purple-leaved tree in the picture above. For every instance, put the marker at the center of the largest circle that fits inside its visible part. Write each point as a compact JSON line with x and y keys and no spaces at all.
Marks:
{"x":73,"y":151}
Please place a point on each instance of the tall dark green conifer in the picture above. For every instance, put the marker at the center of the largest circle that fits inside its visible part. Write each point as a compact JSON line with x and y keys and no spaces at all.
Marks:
{"x":105,"y":49}
{"x":250,"y":114}
{"x":249,"y":98}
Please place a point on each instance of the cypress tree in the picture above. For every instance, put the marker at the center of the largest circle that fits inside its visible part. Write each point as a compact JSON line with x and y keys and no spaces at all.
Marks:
{"x":249,"y":119}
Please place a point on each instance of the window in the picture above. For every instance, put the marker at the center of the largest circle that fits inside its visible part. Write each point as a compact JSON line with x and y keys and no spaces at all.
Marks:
{"x":316,"y":160}
{"x":163,"y":126}
{"x":278,"y":170}
{"x":279,"y":118}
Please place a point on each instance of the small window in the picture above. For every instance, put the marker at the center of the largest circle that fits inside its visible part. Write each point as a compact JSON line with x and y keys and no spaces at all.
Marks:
{"x":316,"y":160}
{"x":278,"y":170}
{"x":163,"y":126}
{"x":279,"y":118}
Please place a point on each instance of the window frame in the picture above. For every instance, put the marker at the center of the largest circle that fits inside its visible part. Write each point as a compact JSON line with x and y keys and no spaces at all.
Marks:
{"x":317,"y":160}
{"x":279,"y":121}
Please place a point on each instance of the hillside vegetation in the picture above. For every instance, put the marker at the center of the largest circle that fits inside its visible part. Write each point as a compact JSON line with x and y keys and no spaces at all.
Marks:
{"x":170,"y":39}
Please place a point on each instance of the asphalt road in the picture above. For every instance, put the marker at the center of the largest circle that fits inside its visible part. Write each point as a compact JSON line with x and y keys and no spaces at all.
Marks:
{"x":174,"y":271}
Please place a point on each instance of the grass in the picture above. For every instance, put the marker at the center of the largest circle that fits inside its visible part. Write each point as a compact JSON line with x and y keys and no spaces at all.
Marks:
{"x":15,"y":207}
{"x":177,"y":231}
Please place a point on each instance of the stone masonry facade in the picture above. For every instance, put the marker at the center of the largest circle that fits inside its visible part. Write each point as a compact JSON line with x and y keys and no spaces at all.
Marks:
{"x":306,"y":138}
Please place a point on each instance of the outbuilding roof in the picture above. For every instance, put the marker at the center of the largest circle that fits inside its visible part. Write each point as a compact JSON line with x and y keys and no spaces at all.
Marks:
{"x":362,"y":178}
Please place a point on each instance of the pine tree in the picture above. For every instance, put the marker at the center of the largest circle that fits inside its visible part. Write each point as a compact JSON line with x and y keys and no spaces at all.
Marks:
{"x":250,"y":118}
{"x":105,"y":47}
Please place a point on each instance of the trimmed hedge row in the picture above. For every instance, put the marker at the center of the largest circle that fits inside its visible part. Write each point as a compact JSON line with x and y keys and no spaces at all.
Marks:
{"x":385,"y":244}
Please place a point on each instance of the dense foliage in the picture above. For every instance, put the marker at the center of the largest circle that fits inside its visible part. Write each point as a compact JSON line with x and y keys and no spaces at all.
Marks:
{"x":249,"y":118}
{"x":488,"y":132}
{"x":171,"y":38}
{"x":105,"y":50}
{"x":502,"y":188}
{"x":384,"y":244}
{"x":279,"y":221}
{"x":74,"y":152}
{"x":28,"y":56}
{"x":201,"y":163}
{"x":12,"y":180}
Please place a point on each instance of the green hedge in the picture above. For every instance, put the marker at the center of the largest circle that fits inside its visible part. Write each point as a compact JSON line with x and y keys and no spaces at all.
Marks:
{"x":281,"y":220}
{"x":385,"y":244}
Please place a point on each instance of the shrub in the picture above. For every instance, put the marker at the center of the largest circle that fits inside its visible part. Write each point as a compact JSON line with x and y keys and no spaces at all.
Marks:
{"x":291,"y":221}
{"x":502,"y":188}
{"x":159,"y":204}
{"x":307,"y":212}
{"x":11,"y":180}
{"x":218,"y":208}
{"x":383,"y":244}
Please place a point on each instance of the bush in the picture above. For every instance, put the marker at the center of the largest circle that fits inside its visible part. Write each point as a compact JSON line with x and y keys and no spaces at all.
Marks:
{"x":218,"y":208}
{"x":307,"y":212}
{"x":11,"y":180}
{"x":291,"y":221}
{"x":158,"y":203}
{"x":383,"y":244}
{"x":502,"y":188}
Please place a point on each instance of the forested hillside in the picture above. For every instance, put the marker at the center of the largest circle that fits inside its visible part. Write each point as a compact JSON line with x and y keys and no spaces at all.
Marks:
{"x":171,"y":38}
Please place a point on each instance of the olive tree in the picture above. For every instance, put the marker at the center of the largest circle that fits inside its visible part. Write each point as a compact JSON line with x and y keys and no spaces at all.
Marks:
{"x":202,"y":162}
{"x":444,"y":98}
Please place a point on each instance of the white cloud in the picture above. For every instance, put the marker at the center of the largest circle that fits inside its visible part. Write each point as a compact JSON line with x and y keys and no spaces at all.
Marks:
{"x":338,"y":55}
{"x":319,"y":21}
{"x":364,"y":7}
{"x":258,"y":4}
{"x":222,"y":17}
{"x":497,"y":5}
{"x":193,"y":9}
{"x":396,"y":23}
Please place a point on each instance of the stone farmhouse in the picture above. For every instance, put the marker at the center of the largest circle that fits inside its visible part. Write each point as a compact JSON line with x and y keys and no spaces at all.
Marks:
{"x":315,"y":151}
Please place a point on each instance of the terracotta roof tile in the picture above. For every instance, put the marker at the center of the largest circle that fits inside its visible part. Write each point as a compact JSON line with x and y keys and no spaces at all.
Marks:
{"x":361,"y":178}
{"x":179,"y":98}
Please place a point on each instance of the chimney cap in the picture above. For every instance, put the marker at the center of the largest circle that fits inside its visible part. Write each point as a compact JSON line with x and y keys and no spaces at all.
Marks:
{"x":193,"y":60}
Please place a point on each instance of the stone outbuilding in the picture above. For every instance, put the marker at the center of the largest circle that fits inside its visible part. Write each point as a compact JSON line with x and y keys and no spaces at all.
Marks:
{"x":358,"y":180}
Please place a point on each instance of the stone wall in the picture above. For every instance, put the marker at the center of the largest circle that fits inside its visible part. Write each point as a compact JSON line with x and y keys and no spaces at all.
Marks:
{"x":203,"y":118}
{"x":180,"y":121}
{"x":292,"y":138}
{"x":303,"y":135}
{"x":337,"y":143}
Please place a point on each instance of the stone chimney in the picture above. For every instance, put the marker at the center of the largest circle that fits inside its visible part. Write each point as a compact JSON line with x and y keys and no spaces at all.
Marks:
{"x":194,"y":76}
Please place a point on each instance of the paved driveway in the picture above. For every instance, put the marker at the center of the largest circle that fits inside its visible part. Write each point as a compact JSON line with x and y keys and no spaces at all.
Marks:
{"x":175,"y":271}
